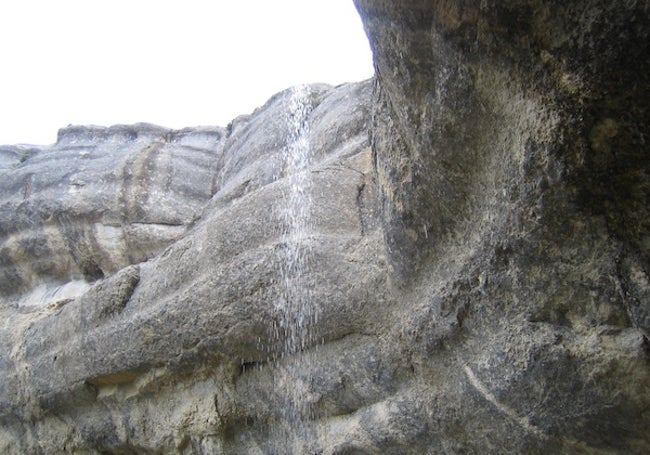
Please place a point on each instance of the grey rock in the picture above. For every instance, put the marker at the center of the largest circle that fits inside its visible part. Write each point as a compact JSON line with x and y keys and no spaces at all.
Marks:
{"x":513,"y":185}
{"x":473,"y":238}
{"x":190,"y":314}
{"x":101,"y":199}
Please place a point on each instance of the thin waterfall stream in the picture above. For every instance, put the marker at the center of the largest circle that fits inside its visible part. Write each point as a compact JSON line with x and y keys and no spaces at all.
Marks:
{"x":293,"y":329}
{"x":294,"y":310}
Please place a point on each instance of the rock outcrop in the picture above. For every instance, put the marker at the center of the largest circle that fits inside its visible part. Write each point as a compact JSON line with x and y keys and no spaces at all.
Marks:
{"x":476,"y":258}
{"x":512,"y":167}
{"x":99,"y":200}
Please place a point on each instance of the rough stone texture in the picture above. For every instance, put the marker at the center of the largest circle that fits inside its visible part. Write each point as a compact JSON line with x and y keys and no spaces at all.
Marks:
{"x":479,"y":263}
{"x":100,"y":199}
{"x":144,"y":351}
{"x":513,"y":171}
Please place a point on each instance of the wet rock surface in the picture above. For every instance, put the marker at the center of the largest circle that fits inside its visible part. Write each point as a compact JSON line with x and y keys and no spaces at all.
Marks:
{"x":478,"y":256}
{"x":87,"y":357}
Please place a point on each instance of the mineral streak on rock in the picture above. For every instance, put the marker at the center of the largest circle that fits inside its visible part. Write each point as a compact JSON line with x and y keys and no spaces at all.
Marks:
{"x":479,"y":255}
{"x":101,"y":199}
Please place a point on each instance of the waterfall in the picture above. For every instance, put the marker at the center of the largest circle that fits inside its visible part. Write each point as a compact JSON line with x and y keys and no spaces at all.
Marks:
{"x":293,"y":329}
{"x":295,"y":314}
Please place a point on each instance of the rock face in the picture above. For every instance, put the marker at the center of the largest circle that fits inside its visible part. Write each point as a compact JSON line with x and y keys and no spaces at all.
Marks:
{"x":141,"y":275}
{"x":512,"y":167}
{"x":99,"y":200}
{"x":476,"y":258}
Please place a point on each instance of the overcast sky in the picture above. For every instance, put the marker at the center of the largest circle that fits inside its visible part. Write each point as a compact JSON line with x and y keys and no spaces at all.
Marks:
{"x":174,"y":63}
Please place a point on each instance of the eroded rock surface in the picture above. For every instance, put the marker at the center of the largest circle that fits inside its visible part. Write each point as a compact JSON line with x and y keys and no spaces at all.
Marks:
{"x":100,"y":199}
{"x":478,"y":256}
{"x":513,"y":174}
{"x":89,"y":360}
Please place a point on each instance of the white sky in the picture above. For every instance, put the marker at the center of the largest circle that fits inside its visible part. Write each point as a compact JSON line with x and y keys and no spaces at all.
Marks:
{"x":174,"y":63}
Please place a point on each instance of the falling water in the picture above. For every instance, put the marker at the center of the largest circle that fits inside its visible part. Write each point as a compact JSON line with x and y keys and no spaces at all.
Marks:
{"x":295,"y":315}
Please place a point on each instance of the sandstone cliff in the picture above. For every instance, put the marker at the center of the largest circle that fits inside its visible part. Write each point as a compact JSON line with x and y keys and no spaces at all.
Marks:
{"x":474,"y":252}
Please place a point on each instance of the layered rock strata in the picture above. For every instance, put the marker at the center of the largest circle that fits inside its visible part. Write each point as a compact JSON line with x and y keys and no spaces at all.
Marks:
{"x":478,"y":255}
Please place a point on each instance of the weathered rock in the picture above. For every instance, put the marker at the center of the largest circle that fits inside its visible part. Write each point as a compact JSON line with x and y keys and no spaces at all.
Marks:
{"x":100,"y":199}
{"x":513,"y":177}
{"x":477,"y":269}
{"x":188,"y":317}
